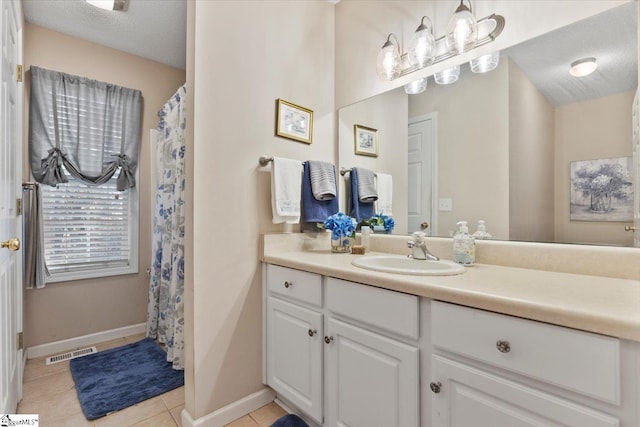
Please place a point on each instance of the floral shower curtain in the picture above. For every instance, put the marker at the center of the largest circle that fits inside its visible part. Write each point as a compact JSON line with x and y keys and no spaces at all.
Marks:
{"x":165,"y":312}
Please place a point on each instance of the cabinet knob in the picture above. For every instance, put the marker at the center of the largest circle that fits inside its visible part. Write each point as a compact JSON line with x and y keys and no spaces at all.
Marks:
{"x":503,"y":346}
{"x":328,"y":339}
{"x":436,"y":387}
{"x":288,"y":284}
{"x":312,"y":332}
{"x":629,"y":228}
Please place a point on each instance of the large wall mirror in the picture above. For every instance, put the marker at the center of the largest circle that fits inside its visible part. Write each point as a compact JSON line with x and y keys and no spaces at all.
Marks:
{"x":527,"y":147}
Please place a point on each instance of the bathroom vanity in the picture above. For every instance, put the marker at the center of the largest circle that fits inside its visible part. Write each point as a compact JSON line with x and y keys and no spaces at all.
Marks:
{"x":495,"y":346}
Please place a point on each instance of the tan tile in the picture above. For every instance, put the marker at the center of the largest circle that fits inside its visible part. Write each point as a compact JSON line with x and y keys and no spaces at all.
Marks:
{"x":57,"y":408}
{"x":133,"y":414}
{"x":245,"y":421}
{"x":266,"y":415}
{"x":173,"y":398}
{"x":135,"y":338}
{"x":47,"y":386}
{"x":77,"y":420}
{"x":163,"y":419}
{"x":176,"y":413}
{"x":36,"y":368}
{"x":111,"y":344}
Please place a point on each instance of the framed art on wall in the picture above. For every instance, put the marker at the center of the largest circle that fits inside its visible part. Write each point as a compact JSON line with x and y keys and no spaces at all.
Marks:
{"x":365,"y":140}
{"x":294,"y":122}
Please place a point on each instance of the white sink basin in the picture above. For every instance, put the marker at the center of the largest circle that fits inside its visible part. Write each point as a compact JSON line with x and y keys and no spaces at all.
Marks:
{"x":401,"y":264}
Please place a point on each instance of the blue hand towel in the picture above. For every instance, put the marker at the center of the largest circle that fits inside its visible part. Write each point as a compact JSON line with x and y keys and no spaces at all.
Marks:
{"x":359,"y":210}
{"x":289,"y":420}
{"x":314,"y":210}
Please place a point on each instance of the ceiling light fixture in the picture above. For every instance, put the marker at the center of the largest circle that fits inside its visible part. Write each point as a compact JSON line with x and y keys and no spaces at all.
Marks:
{"x":119,"y":5}
{"x":485,"y":63}
{"x":462,"y":31}
{"x":583,"y":67}
{"x":416,"y":86}
{"x":448,"y":76}
{"x":389,"y":63}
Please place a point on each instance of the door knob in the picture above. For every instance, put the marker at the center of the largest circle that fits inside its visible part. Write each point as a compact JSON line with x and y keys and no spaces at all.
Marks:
{"x":435,"y":387}
{"x":424,"y":225}
{"x":12,"y":244}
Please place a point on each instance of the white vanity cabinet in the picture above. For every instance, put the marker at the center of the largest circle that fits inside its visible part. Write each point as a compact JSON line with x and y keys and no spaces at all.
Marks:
{"x":353,"y":344}
{"x":494,"y":370}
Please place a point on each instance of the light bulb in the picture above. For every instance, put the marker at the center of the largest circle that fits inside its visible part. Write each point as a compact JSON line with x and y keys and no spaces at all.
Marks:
{"x":388,"y":62}
{"x":448,"y":76}
{"x":485,"y":63}
{"x":462,"y":31}
{"x":417,"y":86}
{"x":422,"y":48}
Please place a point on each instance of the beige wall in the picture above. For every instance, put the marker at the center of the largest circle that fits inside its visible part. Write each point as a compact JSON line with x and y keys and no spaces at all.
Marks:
{"x":71,"y":309}
{"x":531,"y":171}
{"x":362,"y":28}
{"x":243,"y":56}
{"x":580,"y":130}
{"x":473,"y":148}
{"x":388,"y":114}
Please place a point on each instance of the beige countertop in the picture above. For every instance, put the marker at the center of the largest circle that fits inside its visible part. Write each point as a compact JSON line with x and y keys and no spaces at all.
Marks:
{"x":609,"y":306}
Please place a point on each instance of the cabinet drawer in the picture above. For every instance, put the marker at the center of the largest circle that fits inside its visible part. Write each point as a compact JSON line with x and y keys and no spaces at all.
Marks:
{"x":295,"y":284}
{"x":388,"y":310}
{"x":584,"y":362}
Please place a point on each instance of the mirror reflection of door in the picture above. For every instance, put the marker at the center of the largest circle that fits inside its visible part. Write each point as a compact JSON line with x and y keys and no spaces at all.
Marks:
{"x":421,"y":191}
{"x":636,"y":171}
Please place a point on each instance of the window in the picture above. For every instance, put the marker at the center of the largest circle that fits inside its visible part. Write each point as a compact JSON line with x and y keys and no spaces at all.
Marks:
{"x":89,"y":231}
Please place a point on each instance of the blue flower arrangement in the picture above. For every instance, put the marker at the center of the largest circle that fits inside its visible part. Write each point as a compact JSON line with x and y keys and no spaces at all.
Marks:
{"x":381,"y":222}
{"x":341,"y":225}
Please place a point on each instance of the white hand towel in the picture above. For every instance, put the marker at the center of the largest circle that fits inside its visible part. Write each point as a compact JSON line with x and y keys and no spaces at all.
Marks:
{"x":286,"y":185}
{"x":323,"y":180}
{"x":384,"y":187}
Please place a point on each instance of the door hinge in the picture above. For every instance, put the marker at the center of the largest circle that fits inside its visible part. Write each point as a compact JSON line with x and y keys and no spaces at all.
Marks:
{"x":19,"y":73}
{"x":18,"y":207}
{"x":20,"y":341}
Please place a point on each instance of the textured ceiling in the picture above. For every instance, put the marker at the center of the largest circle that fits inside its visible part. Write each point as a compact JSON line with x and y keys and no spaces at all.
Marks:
{"x":610,"y":37}
{"x":152,"y":29}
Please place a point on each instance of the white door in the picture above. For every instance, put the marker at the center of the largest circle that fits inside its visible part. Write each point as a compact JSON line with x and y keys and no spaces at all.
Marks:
{"x":294,"y":355}
{"x":636,"y":171}
{"x":10,"y":221}
{"x":463,"y":396}
{"x":421,"y":173}
{"x":372,"y":381}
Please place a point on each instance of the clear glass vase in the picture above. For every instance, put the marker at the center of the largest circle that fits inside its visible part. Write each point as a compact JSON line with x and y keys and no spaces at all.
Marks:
{"x":340,"y":243}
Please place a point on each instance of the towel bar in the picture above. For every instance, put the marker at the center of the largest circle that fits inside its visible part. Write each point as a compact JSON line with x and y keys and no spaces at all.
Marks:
{"x":344,"y":171}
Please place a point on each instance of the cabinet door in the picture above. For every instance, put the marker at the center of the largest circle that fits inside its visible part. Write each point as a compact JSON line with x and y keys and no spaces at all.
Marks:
{"x":469,"y":397}
{"x":372,"y":381}
{"x":294,"y":355}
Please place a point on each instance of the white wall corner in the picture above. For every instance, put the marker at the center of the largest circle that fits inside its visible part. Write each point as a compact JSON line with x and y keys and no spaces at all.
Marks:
{"x":232,"y":411}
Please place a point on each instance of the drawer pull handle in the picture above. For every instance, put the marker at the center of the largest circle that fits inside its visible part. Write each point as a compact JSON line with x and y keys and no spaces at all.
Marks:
{"x":288,"y":284}
{"x":328,"y":339}
{"x":312,"y":332}
{"x":436,"y":387}
{"x":503,"y":346}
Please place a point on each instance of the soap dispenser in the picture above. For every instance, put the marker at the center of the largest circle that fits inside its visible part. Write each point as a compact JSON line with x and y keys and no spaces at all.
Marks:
{"x":481,"y":233}
{"x":464,"y":245}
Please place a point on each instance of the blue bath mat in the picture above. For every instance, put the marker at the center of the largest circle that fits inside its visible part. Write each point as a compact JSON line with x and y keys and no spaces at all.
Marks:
{"x":289,"y":420}
{"x":115,"y":379}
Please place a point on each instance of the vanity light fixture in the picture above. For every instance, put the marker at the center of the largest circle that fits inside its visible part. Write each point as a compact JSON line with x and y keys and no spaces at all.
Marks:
{"x":583,"y":67}
{"x":391,"y":64}
{"x":448,"y":76}
{"x":119,"y":5}
{"x":485,"y":63}
{"x":462,"y":31}
{"x":388,"y":64}
{"x":417,"y":86}
{"x":422,"y":48}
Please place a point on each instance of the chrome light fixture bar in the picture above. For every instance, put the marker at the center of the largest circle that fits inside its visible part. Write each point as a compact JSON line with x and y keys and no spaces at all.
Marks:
{"x":498,"y":26}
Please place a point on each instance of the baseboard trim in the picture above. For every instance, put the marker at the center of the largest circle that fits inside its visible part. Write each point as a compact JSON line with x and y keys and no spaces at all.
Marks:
{"x":85,"y":340}
{"x":232,"y":411}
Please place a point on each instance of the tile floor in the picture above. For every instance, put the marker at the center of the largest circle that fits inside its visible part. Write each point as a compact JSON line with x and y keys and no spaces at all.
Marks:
{"x":49,"y":391}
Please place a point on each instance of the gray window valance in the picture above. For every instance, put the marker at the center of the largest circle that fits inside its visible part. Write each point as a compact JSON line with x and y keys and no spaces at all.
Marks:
{"x":90,"y":127}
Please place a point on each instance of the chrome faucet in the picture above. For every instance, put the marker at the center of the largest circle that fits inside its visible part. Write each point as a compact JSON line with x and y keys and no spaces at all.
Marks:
{"x":418,"y":247}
